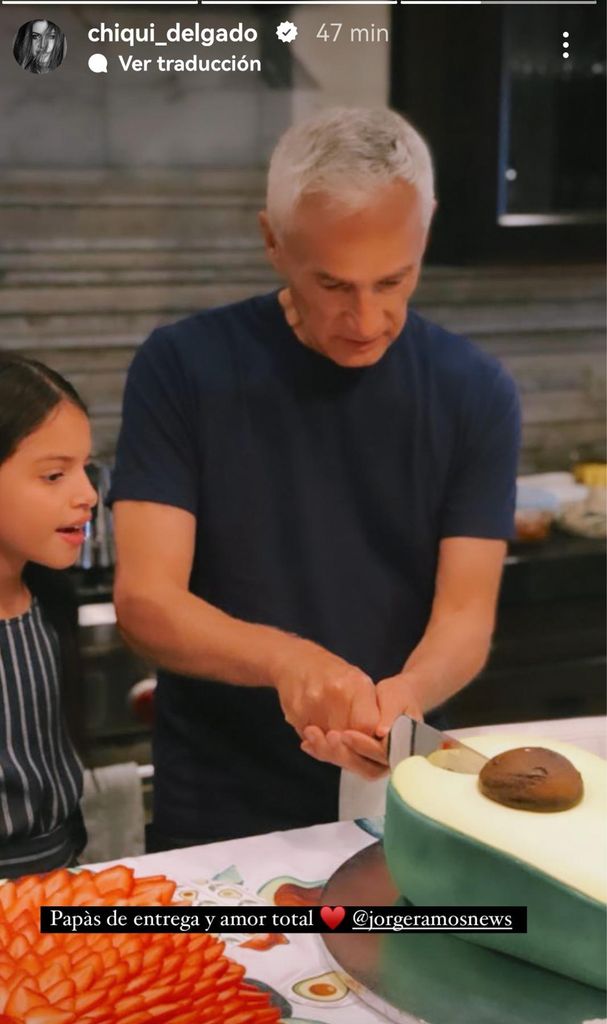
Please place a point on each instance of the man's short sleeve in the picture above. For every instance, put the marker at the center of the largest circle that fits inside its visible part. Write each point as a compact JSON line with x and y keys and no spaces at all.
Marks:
{"x":156,"y":454}
{"x":481,"y":496}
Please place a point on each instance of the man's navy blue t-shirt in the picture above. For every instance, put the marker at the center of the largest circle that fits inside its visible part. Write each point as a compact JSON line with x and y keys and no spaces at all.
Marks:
{"x":321,"y":494}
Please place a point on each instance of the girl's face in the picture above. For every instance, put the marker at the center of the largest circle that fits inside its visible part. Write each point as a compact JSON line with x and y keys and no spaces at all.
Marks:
{"x":45,"y":495}
{"x":43,"y":41}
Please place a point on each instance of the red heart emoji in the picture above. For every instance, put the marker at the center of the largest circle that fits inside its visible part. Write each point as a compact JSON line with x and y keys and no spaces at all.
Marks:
{"x":332,"y":916}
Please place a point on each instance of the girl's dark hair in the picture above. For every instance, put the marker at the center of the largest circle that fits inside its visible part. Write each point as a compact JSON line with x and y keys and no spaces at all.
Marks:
{"x":23,"y":49}
{"x":29,"y":391}
{"x":57,"y":599}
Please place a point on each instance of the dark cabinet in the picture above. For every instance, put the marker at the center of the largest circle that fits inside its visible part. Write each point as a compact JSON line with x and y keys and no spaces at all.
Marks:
{"x":517,"y":130}
{"x":548,"y":655}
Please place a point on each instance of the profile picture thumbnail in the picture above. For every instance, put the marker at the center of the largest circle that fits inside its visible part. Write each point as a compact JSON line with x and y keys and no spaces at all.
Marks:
{"x":39,"y":46}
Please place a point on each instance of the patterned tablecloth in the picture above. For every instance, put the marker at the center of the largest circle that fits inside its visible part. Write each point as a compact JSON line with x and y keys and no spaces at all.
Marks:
{"x":258,"y":870}
{"x":265,"y":869}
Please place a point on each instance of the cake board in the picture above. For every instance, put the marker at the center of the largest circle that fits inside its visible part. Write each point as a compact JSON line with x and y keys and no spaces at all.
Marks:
{"x":440,"y":978}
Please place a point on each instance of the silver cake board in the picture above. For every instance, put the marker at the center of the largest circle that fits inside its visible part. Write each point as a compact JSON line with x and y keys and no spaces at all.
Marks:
{"x":441,"y":978}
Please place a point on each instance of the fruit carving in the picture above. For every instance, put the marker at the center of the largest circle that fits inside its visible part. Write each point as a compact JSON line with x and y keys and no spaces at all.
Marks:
{"x":112,"y":978}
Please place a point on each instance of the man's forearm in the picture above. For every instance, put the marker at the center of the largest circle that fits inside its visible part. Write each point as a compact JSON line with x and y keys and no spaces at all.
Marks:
{"x":449,"y":655}
{"x":185,"y":634}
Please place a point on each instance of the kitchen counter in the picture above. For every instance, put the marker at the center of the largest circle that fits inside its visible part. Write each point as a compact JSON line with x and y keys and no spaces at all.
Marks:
{"x":534,"y":571}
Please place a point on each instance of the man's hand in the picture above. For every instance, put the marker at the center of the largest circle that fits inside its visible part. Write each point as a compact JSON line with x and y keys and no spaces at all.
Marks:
{"x":364,"y":755}
{"x":359,"y":752}
{"x":318,"y":688}
{"x":451,"y":652}
{"x":397,"y":696}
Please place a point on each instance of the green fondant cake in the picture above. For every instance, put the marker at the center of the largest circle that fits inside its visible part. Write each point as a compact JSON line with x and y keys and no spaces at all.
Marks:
{"x":441,"y":980}
{"x":448,"y":844}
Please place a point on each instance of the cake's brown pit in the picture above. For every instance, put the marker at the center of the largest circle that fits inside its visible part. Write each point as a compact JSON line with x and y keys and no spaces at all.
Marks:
{"x":532,"y":779}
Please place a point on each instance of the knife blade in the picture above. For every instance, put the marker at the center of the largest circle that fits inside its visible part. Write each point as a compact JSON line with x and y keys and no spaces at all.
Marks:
{"x":409,"y":737}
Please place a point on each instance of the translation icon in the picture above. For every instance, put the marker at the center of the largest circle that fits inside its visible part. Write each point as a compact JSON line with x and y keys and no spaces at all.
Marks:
{"x":286,"y":31}
{"x":98,"y":63}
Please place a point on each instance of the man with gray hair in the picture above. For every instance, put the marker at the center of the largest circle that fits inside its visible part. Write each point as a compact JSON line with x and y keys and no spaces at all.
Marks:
{"x":312,"y":497}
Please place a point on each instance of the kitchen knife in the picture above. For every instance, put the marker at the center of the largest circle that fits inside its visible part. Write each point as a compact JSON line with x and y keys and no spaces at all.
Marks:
{"x":408,"y":737}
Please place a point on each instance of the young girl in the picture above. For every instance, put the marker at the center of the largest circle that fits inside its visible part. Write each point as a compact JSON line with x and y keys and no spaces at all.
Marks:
{"x":45,"y":501}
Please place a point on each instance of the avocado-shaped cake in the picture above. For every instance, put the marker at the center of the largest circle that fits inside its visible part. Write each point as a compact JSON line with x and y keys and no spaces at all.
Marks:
{"x":531,"y":831}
